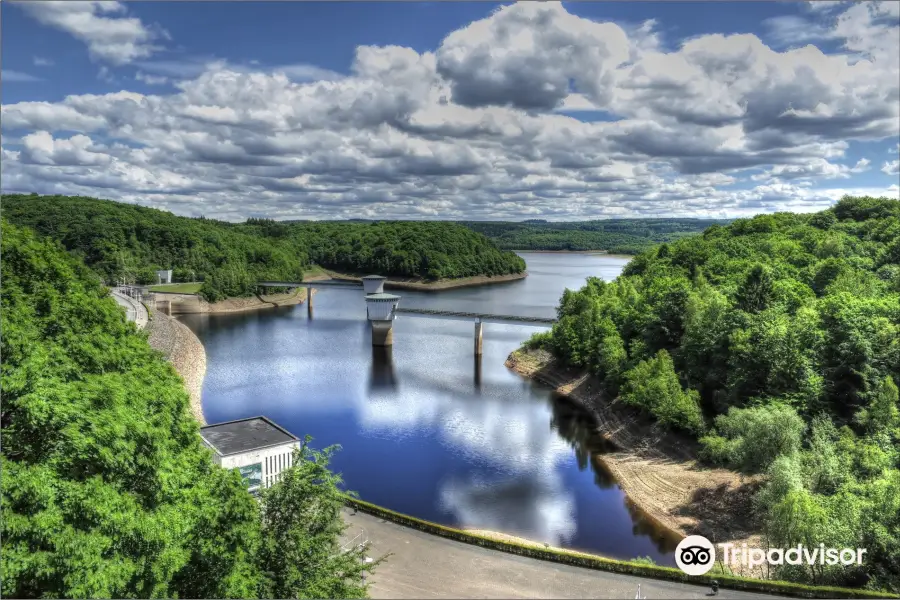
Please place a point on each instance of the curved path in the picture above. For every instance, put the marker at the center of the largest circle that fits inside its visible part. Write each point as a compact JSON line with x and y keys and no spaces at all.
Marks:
{"x":422,"y":565}
{"x":134,"y":310}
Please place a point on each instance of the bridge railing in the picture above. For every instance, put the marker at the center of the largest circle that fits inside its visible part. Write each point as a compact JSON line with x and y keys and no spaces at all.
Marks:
{"x":323,"y":283}
{"x":472,"y":315}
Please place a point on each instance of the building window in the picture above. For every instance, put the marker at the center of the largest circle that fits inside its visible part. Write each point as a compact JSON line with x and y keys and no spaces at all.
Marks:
{"x":251,"y":474}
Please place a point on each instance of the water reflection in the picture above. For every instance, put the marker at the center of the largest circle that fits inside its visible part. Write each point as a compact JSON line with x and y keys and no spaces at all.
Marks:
{"x":579,"y":428}
{"x":536,"y":507}
{"x":426,"y":427}
{"x":477,"y":371}
{"x":383,"y":376}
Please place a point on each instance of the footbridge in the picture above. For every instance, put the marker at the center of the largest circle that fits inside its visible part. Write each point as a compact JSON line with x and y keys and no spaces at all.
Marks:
{"x":475,"y":317}
{"x":382,"y":309}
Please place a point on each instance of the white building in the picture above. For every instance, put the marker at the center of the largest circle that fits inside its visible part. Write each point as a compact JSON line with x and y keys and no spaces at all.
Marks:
{"x":164,"y":276}
{"x":257,"y":447}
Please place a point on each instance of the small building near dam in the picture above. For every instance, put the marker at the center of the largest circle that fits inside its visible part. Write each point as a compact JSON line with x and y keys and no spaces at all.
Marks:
{"x":164,"y":276}
{"x":256,"y":446}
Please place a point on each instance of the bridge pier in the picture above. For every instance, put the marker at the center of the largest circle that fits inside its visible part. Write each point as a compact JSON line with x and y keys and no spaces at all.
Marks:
{"x":478,"y":337}
{"x":382,"y":333}
{"x":309,"y":302}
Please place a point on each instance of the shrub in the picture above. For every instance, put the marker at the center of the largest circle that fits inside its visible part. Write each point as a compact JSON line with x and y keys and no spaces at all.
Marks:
{"x":653,"y":386}
{"x":758,"y":435}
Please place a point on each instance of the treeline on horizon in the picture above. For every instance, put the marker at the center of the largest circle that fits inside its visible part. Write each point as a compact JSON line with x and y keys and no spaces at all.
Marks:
{"x":120,"y":240}
{"x":616,"y":236}
{"x":775,"y":342}
{"x":107,"y":489}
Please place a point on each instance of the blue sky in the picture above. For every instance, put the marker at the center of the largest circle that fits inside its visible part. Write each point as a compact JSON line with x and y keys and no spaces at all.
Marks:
{"x":452,"y":110}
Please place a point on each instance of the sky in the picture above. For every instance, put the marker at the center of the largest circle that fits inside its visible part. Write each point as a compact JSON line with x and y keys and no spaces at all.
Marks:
{"x":452,"y":110}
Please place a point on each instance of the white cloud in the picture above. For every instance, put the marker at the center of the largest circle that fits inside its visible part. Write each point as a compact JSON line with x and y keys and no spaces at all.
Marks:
{"x":483,"y":127}
{"x":11,"y":76}
{"x":41,"y":148}
{"x":891,"y":168}
{"x":110,"y":36}
{"x":42,"y":62}
{"x":861,"y":166}
{"x":151,"y":79}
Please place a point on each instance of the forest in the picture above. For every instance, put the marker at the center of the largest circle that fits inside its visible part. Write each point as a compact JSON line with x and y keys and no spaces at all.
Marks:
{"x":616,"y":236}
{"x":774,"y":342}
{"x":119,"y":240}
{"x":107,"y":489}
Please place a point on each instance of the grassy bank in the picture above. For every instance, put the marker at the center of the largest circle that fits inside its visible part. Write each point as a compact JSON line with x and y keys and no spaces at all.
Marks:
{"x":178,"y":288}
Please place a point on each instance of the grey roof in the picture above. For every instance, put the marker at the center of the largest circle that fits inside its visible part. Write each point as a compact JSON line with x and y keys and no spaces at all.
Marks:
{"x":244,"y":435}
{"x":374,"y":277}
{"x":382,"y":297}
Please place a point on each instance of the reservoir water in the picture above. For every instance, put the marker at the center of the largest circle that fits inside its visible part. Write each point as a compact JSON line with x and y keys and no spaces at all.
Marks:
{"x":424,"y":429}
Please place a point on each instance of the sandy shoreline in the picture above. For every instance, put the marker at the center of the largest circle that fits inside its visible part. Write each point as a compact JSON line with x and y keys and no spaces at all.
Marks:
{"x":656,"y":469}
{"x":184,"y":304}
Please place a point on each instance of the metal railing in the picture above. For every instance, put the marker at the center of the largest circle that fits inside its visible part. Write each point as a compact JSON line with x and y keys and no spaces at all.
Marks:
{"x":472,"y":315}
{"x":323,"y":283}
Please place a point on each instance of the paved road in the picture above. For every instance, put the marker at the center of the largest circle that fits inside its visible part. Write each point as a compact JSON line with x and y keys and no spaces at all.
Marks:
{"x":134,"y":310}
{"x":428,"y":566}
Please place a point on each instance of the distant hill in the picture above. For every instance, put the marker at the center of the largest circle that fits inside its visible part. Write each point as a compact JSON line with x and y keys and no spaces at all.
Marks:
{"x":618,"y":236}
{"x":123,"y":240}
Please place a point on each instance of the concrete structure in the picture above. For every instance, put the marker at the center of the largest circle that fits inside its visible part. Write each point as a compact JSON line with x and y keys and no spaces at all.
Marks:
{"x":164,"y":276}
{"x":478,"y":318}
{"x":373,"y":284}
{"x":134,"y":309}
{"x":423,"y":565}
{"x":257,"y":447}
{"x":380,"y":311}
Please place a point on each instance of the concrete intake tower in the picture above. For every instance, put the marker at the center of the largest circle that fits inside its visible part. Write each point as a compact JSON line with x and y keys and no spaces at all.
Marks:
{"x":380,"y":310}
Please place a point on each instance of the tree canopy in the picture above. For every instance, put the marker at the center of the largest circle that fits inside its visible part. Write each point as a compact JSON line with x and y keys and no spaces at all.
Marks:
{"x":120,"y":240}
{"x":107,"y":490}
{"x":776,"y":341}
{"x":618,"y":236}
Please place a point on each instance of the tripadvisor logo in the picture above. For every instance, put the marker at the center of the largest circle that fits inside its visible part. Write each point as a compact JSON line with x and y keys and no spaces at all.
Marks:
{"x":695,"y":555}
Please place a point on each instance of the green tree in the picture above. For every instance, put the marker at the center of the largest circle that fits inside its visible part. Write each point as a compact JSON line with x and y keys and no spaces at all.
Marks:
{"x":301,"y":554}
{"x":756,"y":435}
{"x":788,"y":326}
{"x":757,"y":291}
{"x":883,"y":413}
{"x":653,"y":385}
{"x":107,"y":490}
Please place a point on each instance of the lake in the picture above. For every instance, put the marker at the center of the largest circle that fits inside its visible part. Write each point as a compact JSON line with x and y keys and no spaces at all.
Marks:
{"x":424,"y":428}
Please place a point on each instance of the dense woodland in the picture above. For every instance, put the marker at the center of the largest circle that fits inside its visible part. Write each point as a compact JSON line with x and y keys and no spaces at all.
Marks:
{"x":126,"y":241}
{"x":617,"y":236}
{"x":775,"y":341}
{"x":107,"y":490}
